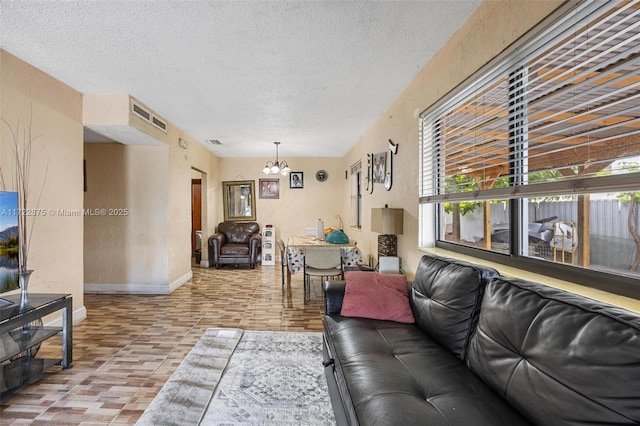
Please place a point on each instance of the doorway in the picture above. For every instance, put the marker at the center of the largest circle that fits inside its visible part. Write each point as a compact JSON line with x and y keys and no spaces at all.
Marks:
{"x":196,"y":218}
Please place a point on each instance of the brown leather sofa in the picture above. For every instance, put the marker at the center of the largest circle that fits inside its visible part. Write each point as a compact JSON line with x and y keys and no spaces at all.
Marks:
{"x":235,"y":243}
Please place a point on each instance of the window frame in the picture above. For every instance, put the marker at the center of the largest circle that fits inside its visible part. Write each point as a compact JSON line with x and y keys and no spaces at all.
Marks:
{"x":356,"y":197}
{"x":607,"y":281}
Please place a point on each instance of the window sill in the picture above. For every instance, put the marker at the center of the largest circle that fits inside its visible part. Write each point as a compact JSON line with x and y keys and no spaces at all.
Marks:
{"x":614,"y":299}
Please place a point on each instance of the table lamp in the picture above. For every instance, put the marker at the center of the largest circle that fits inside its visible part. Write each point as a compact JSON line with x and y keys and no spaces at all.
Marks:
{"x":387,"y":222}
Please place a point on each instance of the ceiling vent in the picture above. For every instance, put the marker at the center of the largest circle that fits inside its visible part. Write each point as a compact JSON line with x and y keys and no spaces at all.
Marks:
{"x":213,"y":142}
{"x":148,"y":116}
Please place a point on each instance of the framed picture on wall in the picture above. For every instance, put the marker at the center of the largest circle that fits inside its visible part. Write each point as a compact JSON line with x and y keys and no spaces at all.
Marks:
{"x":269,"y":188}
{"x":296,"y":180}
{"x":379,"y":167}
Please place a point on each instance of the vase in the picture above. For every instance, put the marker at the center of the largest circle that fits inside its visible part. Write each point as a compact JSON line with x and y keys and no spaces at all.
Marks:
{"x":23,"y":280}
{"x":23,"y":334}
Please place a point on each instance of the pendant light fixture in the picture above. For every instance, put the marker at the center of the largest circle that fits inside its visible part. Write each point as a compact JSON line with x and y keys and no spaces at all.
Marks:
{"x":273,"y":168}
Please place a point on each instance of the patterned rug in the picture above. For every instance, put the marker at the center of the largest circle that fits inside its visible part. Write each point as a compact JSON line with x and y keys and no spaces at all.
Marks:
{"x":236,"y":377}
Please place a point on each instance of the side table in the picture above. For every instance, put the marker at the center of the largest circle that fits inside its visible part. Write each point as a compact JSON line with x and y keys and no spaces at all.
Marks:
{"x":14,"y":315}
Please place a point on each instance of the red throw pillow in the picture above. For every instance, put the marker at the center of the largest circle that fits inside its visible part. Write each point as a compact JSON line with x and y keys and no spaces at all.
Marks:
{"x":377,"y":296}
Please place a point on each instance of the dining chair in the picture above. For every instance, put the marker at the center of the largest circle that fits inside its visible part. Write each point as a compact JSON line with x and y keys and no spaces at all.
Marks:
{"x":283,"y":260}
{"x":323,"y":262}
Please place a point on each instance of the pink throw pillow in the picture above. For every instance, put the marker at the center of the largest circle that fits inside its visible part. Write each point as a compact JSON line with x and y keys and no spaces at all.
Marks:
{"x":377,"y":296}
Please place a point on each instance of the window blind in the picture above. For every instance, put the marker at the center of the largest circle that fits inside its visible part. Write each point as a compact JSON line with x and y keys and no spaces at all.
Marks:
{"x":558,"y":115}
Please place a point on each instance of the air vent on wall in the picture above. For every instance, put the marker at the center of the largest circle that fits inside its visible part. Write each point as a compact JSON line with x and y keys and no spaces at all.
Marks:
{"x":159,"y":124}
{"x":141,"y":112}
{"x":148,"y":116}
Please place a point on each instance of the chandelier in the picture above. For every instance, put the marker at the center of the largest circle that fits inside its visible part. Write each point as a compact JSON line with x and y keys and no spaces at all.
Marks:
{"x":273,"y":168}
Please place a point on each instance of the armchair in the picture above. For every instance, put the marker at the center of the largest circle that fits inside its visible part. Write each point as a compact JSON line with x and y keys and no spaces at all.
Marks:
{"x":235,"y":243}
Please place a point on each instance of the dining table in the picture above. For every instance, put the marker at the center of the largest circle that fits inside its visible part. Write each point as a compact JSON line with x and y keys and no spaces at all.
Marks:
{"x":296,"y":245}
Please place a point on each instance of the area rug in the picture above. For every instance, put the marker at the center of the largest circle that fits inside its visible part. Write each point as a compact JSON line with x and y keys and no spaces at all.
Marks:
{"x":236,"y":377}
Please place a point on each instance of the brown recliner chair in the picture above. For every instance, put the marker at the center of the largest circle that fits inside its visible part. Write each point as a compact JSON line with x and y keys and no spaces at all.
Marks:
{"x":235,"y":243}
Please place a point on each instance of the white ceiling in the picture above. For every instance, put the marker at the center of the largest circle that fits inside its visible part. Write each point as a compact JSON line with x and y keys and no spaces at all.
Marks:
{"x":311,"y":74}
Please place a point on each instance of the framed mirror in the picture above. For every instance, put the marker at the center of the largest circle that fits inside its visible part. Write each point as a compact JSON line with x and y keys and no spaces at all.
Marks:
{"x":239,"y":200}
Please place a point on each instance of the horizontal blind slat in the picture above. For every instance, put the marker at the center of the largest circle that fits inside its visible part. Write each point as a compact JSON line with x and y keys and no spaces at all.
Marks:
{"x":559,"y":113}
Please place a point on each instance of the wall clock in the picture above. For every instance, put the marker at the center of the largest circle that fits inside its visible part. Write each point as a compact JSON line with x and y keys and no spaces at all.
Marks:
{"x":322,"y":175}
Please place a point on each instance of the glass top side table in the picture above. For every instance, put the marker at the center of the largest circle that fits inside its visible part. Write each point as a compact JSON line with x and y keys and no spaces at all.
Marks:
{"x":18,"y":336}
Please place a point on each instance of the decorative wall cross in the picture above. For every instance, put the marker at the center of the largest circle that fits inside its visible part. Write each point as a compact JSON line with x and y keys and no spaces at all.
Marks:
{"x":380,"y":168}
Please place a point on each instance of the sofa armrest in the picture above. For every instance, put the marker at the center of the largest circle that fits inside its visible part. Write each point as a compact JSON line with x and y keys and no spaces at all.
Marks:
{"x":255,"y":240}
{"x":217,"y":240}
{"x":334,"y":293}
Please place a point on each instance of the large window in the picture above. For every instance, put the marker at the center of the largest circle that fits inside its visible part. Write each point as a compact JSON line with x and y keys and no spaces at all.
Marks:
{"x":537,"y":157}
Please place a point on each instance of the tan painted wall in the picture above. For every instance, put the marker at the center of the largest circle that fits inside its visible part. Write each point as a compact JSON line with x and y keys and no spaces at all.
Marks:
{"x":55,"y":111}
{"x":493,"y":27}
{"x":181,"y":164}
{"x":179,"y":212}
{"x":105,"y":109}
{"x":295,"y":209}
{"x":128,"y":244}
{"x":155,"y":184}
{"x":208,"y":167}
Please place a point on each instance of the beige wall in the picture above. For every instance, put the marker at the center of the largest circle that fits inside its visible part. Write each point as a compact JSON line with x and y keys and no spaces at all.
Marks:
{"x":493,"y":27}
{"x":179,"y":249}
{"x":295,"y":209}
{"x":490,"y":30}
{"x":154,"y":183}
{"x":105,"y":109}
{"x":127,"y":247}
{"x":55,"y":112}
{"x":207,"y":167}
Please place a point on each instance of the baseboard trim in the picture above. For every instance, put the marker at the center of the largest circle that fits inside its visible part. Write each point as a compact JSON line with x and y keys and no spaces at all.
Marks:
{"x":129,"y":288}
{"x":78,"y":315}
{"x":180,"y":281}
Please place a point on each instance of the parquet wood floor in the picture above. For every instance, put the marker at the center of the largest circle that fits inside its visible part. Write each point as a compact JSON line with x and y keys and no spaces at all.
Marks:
{"x":129,"y":345}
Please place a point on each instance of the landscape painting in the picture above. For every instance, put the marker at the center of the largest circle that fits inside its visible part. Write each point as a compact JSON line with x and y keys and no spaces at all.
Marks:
{"x":8,"y":241}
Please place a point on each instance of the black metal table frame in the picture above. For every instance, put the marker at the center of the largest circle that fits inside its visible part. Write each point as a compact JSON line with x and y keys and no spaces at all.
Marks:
{"x":56,"y":302}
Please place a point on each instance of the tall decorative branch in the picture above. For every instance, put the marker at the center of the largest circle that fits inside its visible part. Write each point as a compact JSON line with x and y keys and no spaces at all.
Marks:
{"x":21,"y":173}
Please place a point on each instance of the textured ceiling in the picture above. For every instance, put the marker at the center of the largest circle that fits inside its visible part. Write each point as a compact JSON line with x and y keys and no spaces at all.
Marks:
{"x":311,"y":74}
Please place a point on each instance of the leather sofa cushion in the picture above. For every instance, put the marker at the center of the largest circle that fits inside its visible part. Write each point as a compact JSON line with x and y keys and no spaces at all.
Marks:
{"x":234,"y":250}
{"x":559,"y":358}
{"x":446,"y":298}
{"x":395,"y":374}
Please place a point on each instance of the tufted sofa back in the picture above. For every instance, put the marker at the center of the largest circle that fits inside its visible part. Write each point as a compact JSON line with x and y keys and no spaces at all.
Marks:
{"x":558,"y":358}
{"x":445,"y":299}
{"x":238,"y":232}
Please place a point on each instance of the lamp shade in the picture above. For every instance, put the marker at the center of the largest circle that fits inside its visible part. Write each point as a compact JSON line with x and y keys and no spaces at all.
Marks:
{"x":387,"y":221}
